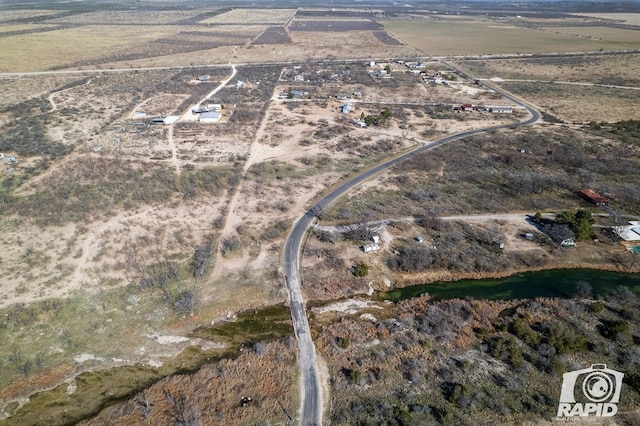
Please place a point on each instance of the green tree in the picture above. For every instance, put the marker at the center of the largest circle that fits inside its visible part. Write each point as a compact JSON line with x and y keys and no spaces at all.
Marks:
{"x":362,"y":270}
{"x":581,"y":225}
{"x":579,"y":222}
{"x":565,"y":217}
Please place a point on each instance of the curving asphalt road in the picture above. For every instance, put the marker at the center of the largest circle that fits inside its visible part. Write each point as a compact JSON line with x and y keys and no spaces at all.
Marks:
{"x":311,"y":409}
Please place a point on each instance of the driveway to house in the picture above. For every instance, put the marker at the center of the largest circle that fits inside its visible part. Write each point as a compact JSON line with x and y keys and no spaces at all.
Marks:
{"x":311,"y":410}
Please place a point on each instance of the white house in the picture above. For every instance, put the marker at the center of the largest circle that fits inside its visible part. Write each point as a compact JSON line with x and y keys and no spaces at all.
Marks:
{"x":501,"y":110}
{"x":630,"y":232}
{"x":210,"y":117}
{"x":170,"y":119}
{"x":368,"y":248}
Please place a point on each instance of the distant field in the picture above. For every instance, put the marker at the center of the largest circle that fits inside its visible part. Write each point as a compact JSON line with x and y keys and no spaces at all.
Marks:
{"x":56,"y":48}
{"x":252,"y":16}
{"x":627,"y":18}
{"x":126,"y":17}
{"x":607,"y":34}
{"x":458,"y":38}
{"x":12,"y":15}
{"x":22,"y":27}
{"x":333,"y":25}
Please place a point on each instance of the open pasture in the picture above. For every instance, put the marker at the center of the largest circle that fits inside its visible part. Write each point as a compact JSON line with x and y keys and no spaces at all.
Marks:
{"x":482,"y":38}
{"x":252,"y":16}
{"x":22,"y":15}
{"x":625,"y":18}
{"x":630,"y":38}
{"x":56,"y":49}
{"x":23,"y":28}
{"x":619,"y":69}
{"x":273,"y":35}
{"x":126,"y":17}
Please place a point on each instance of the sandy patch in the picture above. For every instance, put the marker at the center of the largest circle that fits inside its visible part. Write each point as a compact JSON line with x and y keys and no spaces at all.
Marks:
{"x":348,"y":307}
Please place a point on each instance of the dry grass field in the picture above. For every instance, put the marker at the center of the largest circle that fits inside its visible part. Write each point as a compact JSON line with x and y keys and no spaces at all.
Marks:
{"x":17,"y":15}
{"x":624,"y":38}
{"x":487,"y":38}
{"x":23,"y":27}
{"x":627,"y":18}
{"x":252,"y":16}
{"x":126,"y":17}
{"x":60,"y":47}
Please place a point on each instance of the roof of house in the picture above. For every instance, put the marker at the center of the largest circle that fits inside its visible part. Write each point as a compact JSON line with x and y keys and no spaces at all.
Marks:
{"x":210,"y":116}
{"x":630,"y":232}
{"x":593,"y":196}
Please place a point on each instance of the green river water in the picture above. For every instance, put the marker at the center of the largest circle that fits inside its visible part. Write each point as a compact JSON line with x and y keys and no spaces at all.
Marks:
{"x":529,"y":285}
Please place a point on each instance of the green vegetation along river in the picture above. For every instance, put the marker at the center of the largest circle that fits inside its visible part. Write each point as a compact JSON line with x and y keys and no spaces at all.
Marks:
{"x":529,"y":285}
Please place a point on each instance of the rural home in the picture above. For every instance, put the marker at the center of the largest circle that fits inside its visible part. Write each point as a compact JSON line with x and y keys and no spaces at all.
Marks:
{"x":199,"y":109}
{"x":346,"y":108}
{"x":368,"y":248}
{"x":501,"y":110}
{"x":630,"y":232}
{"x":210,"y":117}
{"x":171,"y":119}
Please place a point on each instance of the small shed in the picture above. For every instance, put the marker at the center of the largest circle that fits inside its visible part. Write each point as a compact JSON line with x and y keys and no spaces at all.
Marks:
{"x":376,"y":239}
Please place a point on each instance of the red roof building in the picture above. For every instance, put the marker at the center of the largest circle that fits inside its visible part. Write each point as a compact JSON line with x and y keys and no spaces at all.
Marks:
{"x":593,"y":197}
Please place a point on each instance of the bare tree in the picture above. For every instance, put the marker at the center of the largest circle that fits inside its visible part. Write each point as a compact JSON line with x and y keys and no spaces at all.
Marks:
{"x":186,"y":303}
{"x":360,"y":231}
{"x":584,"y":290}
{"x":183,"y":412}
{"x":144,"y":402}
{"x":558,"y":232}
{"x":202,"y":257}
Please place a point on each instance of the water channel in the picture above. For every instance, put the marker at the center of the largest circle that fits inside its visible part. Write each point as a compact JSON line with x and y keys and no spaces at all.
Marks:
{"x":529,"y":285}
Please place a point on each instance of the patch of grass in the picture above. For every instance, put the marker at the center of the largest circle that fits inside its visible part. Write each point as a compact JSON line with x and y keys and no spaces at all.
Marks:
{"x":251,"y":326}
{"x":96,"y":389}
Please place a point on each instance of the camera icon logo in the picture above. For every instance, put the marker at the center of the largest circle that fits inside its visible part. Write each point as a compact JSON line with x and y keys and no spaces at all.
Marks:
{"x":590,"y":391}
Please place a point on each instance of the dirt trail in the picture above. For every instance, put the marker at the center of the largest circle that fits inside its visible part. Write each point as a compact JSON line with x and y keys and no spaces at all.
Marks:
{"x":188,"y":115}
{"x":54,"y":107}
{"x":174,"y":154}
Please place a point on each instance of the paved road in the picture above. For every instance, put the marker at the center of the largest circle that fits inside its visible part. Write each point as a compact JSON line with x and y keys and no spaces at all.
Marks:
{"x":311,"y":409}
